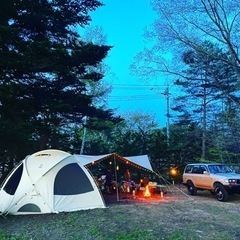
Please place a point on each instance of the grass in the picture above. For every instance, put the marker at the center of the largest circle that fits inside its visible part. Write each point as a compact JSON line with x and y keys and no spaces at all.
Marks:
{"x":201,"y":218}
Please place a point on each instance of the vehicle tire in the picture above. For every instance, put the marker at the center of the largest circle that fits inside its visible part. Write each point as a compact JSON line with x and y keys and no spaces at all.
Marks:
{"x":192,"y":190}
{"x":221,"y":193}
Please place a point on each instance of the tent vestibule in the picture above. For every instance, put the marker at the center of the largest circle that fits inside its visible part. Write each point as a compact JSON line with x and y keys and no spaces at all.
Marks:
{"x":139,"y":162}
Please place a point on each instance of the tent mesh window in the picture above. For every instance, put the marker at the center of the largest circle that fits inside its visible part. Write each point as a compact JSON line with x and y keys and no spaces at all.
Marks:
{"x":30,"y":207}
{"x":12,"y":183}
{"x":71,"y":180}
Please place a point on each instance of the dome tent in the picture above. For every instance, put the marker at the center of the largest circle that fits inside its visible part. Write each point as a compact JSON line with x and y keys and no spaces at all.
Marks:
{"x":49,"y":181}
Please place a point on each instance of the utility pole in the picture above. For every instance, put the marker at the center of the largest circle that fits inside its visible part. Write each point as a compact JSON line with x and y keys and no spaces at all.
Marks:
{"x":166,"y":93}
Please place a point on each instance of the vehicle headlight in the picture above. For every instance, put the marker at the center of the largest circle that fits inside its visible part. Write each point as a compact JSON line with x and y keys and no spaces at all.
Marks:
{"x":231,"y":181}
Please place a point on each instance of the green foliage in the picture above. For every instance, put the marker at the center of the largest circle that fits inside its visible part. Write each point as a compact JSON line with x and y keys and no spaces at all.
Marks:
{"x":207,"y":84}
{"x":207,"y":74}
{"x":46,"y":71}
{"x":138,"y":135}
{"x":206,"y":77}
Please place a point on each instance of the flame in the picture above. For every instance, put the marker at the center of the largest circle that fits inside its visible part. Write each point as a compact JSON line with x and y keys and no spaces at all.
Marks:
{"x":147,"y":192}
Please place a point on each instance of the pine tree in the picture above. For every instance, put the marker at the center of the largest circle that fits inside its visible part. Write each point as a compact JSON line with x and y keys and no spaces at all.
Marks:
{"x":45,"y":70}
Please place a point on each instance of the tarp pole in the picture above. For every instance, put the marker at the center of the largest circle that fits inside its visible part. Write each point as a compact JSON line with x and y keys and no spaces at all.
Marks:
{"x":116,"y":177}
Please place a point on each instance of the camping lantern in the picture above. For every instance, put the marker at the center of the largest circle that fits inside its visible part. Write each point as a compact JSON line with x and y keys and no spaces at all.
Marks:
{"x":161,"y":194}
{"x":134,"y":193}
{"x":173,"y":173}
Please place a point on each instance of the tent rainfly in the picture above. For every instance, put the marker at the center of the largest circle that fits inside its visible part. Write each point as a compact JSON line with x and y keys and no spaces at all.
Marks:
{"x":49,"y":181}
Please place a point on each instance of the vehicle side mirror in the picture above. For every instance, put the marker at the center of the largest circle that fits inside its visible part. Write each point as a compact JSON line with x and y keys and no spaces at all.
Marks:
{"x":205,"y":172}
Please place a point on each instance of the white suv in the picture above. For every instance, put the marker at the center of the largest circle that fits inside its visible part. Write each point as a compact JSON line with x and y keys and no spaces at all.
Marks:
{"x":218,"y":178}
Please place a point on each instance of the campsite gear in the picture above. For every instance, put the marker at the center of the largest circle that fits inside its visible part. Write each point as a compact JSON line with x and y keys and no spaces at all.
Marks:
{"x":141,"y":162}
{"x":49,"y":181}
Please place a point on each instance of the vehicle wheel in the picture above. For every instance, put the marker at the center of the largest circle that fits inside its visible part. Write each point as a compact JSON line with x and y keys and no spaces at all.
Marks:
{"x":221,"y":193}
{"x":192,"y":190}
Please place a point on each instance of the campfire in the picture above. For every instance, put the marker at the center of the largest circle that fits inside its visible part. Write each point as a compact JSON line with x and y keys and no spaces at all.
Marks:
{"x":147,"y":192}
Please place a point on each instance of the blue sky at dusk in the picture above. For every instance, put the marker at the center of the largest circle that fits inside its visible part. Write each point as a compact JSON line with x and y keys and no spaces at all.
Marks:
{"x":124,"y":22}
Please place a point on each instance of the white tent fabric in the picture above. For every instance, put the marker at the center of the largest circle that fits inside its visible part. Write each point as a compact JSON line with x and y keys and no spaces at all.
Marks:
{"x":86,"y":159}
{"x":141,"y":160}
{"x":49,"y":181}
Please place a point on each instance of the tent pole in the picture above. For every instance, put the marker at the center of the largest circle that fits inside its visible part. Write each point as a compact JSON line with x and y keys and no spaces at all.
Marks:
{"x":116,"y":177}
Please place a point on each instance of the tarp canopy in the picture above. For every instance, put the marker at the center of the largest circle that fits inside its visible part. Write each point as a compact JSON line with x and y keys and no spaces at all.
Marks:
{"x":141,"y":162}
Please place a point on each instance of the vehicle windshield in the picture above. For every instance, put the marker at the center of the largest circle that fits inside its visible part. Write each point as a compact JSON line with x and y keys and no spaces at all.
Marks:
{"x":219,"y":169}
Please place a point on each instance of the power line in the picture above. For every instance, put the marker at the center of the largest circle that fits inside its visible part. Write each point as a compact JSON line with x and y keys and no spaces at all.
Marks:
{"x":137,"y":97}
{"x":132,"y":98}
{"x":157,"y":88}
{"x":145,"y":85}
{"x":137,"y":87}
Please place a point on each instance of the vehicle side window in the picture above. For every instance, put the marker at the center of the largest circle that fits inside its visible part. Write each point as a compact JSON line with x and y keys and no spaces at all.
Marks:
{"x":203,"y":168}
{"x":188,"y":169}
{"x":196,"y":169}
{"x":211,"y":169}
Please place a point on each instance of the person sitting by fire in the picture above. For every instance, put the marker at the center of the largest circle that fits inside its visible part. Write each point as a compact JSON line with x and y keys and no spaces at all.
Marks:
{"x":128,"y":186}
{"x":108,"y":181}
{"x":144,"y":182}
{"x":127,"y":175}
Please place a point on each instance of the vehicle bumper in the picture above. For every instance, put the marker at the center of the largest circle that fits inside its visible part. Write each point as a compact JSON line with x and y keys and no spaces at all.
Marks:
{"x":233,"y":188}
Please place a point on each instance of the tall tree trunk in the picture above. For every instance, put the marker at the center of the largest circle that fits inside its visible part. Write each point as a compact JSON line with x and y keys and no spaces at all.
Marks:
{"x":204,"y":123}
